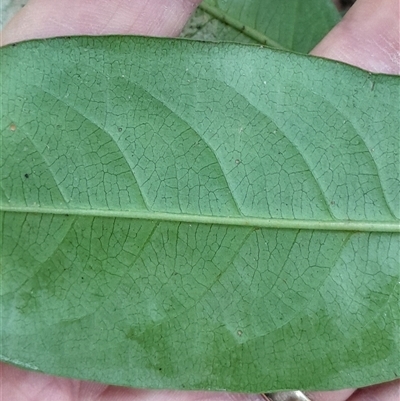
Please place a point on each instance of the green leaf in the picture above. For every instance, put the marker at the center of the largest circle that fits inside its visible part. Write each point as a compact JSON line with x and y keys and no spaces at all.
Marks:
{"x":201,"y":216}
{"x":294,"y":25}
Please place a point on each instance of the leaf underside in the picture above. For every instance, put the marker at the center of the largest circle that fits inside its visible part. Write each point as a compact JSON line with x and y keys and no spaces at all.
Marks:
{"x":296,"y":25}
{"x":198,"y":216}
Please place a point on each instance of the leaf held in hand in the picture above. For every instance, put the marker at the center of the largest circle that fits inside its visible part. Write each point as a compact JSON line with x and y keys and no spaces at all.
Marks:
{"x":198,"y":216}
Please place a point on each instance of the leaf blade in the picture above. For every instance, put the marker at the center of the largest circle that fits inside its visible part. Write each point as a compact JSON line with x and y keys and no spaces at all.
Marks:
{"x":86,"y":111}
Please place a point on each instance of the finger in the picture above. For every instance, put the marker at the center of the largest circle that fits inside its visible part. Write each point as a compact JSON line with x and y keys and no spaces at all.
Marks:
{"x":340,"y":395}
{"x":382,"y":392}
{"x":49,"y":18}
{"x":368,"y":37}
{"x":23,"y":385}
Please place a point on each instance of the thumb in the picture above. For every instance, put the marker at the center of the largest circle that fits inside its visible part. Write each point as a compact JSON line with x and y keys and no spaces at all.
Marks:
{"x":49,"y":18}
{"x":367,"y":37}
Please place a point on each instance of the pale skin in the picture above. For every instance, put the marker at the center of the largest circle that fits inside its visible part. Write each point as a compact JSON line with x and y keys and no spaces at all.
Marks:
{"x":368,"y":37}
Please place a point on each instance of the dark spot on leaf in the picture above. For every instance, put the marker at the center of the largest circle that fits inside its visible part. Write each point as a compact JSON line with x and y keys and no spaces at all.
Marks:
{"x":131,"y":334}
{"x":159,"y":368}
{"x":26,"y":175}
{"x":119,"y":129}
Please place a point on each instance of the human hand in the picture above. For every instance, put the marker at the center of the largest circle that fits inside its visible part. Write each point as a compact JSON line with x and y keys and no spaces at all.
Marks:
{"x":367,"y":37}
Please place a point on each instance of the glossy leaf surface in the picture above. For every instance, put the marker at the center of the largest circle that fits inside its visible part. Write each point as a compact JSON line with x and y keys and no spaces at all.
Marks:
{"x":200,"y":216}
{"x":291,"y":24}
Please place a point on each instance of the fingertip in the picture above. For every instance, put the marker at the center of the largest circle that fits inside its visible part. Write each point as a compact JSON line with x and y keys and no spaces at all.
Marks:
{"x":46,"y":18}
{"x":367,"y":37}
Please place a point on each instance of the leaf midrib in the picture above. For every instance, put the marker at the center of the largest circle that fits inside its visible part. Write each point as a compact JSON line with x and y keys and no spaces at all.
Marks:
{"x":244,"y":221}
{"x":239,"y":26}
